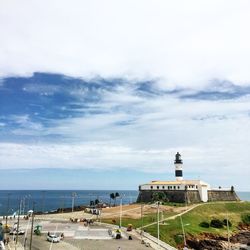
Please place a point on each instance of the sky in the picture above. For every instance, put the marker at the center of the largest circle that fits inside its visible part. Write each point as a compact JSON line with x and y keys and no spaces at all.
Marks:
{"x":102,"y":94}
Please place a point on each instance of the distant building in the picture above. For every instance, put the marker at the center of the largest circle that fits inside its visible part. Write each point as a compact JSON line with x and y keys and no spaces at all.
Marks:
{"x":180,"y":190}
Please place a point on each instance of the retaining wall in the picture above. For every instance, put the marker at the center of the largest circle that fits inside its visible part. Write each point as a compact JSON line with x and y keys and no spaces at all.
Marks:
{"x":189,"y":196}
{"x":178,"y":196}
{"x":222,"y":195}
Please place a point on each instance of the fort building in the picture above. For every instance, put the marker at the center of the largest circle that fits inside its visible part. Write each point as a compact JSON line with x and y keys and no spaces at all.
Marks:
{"x":181,"y":190}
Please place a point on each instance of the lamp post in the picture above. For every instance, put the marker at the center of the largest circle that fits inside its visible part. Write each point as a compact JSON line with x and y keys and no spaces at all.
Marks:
{"x":158,"y":223}
{"x":32,"y":224}
{"x":121,"y":196}
{"x":141,"y":221}
{"x":43,"y":200}
{"x":121,"y":212}
{"x":73,"y":200}
{"x":7,"y":209}
{"x":183,"y":232}
{"x":228,"y":236}
{"x":18,"y":221}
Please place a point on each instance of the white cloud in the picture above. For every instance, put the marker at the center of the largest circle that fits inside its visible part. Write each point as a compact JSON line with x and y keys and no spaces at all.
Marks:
{"x":178,"y":43}
{"x":183,"y":43}
{"x":211,"y":135}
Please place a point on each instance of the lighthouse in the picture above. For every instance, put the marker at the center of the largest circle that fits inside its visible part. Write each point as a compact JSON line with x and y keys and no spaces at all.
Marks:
{"x":178,"y":167}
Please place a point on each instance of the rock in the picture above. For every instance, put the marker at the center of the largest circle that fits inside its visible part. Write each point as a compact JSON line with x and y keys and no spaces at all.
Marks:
{"x":241,"y":237}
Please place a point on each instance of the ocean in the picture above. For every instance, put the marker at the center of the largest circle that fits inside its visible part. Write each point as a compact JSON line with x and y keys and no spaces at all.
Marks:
{"x":50,"y":200}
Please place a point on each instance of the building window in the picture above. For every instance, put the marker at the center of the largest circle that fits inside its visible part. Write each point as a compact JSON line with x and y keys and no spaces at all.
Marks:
{"x":168,"y":187}
{"x":178,"y":187}
{"x":174,"y":187}
{"x":196,"y":187}
{"x":157,"y":187}
{"x":163,"y":187}
{"x":151,"y":187}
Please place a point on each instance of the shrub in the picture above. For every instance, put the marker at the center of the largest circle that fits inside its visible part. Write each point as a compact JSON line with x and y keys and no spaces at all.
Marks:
{"x":178,"y":238}
{"x":159,"y":196}
{"x":216,"y":223}
{"x":245,"y":218}
{"x":225,"y":222}
{"x":204,"y":224}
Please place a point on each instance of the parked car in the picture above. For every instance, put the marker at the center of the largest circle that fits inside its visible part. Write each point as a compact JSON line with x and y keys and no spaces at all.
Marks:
{"x":53,"y":238}
{"x":2,"y":247}
{"x":14,"y":232}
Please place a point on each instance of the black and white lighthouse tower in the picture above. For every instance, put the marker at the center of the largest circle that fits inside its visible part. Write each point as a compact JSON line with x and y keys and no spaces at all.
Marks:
{"x":178,"y":167}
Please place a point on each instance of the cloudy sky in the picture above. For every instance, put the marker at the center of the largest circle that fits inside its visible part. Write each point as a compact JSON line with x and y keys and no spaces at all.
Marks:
{"x":102,"y":94}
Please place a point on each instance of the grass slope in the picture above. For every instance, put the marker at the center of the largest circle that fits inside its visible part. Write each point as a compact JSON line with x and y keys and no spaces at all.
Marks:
{"x":171,"y":232}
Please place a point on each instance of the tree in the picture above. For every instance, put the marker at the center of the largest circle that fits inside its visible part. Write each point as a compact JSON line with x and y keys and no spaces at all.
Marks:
{"x":116,"y":195}
{"x":112,"y":197}
{"x":159,"y":196}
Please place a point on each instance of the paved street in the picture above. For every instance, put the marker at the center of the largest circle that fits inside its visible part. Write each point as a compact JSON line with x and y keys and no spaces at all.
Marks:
{"x":77,"y":237}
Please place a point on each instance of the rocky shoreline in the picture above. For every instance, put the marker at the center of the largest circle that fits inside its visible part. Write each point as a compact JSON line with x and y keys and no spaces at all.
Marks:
{"x":208,"y":241}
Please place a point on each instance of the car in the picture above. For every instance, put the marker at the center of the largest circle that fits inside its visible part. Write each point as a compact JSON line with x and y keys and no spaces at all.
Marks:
{"x":14,"y":232}
{"x":2,"y":247}
{"x":53,"y":238}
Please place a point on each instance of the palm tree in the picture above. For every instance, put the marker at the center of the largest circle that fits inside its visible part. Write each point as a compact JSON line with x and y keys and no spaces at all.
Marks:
{"x":116,"y":195}
{"x":111,"y":196}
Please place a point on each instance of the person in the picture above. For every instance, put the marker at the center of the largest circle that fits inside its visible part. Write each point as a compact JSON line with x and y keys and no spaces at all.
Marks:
{"x":7,"y":240}
{"x":4,"y":241}
{"x":119,"y":248}
{"x":25,"y":241}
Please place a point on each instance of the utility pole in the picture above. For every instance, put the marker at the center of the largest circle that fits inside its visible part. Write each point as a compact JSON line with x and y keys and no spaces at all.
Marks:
{"x":73,"y":201}
{"x":141,"y":221}
{"x":158,"y":223}
{"x":183,"y":231}
{"x":7,"y":209}
{"x":121,"y":212}
{"x":32,"y":224}
{"x":228,"y":237}
{"x":18,"y":221}
{"x":63,"y":203}
{"x":43,"y":200}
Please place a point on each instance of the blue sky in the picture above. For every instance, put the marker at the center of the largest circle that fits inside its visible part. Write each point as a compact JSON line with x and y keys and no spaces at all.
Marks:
{"x":92,"y":99}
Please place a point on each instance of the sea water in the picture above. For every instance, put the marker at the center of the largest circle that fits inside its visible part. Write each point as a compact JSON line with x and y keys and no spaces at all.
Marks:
{"x":49,"y":200}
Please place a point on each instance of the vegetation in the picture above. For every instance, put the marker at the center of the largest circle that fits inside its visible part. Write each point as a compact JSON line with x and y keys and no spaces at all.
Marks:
{"x":171,"y":231}
{"x":204,"y":224}
{"x":227,"y":222}
{"x":159,"y":196}
{"x":113,"y":196}
{"x":195,"y":222}
{"x":216,"y":223}
{"x":246,"y":218}
{"x":137,"y":223}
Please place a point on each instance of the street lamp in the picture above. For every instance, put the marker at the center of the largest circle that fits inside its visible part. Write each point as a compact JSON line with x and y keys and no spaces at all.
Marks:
{"x":183,"y":231}
{"x":121,"y":209}
{"x":73,"y":200}
{"x":7,"y":210}
{"x":141,"y":221}
{"x":43,"y":200}
{"x":158,"y":223}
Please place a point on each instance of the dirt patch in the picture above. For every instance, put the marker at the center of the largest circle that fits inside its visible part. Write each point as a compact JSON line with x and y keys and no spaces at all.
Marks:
{"x":134,"y":211}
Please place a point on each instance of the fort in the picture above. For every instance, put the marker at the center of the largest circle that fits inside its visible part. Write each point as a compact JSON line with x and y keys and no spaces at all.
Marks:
{"x":184,"y":191}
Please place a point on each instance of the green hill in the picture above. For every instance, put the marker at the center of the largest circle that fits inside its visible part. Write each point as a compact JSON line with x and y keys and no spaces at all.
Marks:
{"x":171,"y":230}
